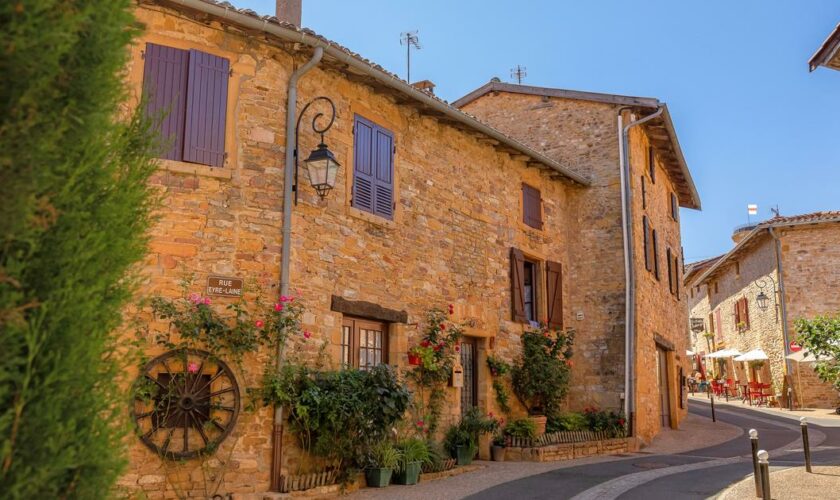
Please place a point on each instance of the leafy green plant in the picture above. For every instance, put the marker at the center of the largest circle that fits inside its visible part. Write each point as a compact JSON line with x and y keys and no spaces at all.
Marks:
{"x":413,"y":450}
{"x":498,"y":369}
{"x":466,"y":433}
{"x":571,"y":421}
{"x":541,"y":375}
{"x":384,"y":455}
{"x":820,"y":336}
{"x":497,"y":366}
{"x":603,"y":420}
{"x":521,"y":428}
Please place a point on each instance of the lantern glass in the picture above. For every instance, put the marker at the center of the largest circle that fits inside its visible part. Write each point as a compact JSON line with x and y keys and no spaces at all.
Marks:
{"x":762,"y":300}
{"x":322,"y":169}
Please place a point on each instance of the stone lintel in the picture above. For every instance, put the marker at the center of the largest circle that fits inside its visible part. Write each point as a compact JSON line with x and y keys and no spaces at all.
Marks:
{"x":663,"y":342}
{"x":367,"y":310}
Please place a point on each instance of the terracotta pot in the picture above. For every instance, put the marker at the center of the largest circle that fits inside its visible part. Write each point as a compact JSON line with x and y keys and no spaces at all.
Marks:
{"x":414,"y":360}
{"x":539,"y":423}
{"x":498,"y":453}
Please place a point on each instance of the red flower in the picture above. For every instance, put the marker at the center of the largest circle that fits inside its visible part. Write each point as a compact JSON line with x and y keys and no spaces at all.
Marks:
{"x":451,"y":309}
{"x":259,"y":323}
{"x":437,"y":348}
{"x":278,"y":307}
{"x":442,"y":326}
{"x":621,"y":422}
{"x":307,"y":334}
{"x":425,"y":343}
{"x":419,"y":424}
{"x":457,"y":347}
{"x":490,"y":414}
{"x":206,"y":301}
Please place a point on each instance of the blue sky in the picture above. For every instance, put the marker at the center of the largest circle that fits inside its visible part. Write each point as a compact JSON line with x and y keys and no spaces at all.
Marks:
{"x":754,"y":125}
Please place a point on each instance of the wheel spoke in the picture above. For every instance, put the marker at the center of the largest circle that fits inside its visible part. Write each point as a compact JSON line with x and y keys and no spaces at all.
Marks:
{"x":186,"y":432}
{"x":156,"y":381}
{"x":218,"y":374}
{"x":217,"y":393}
{"x":197,"y":376}
{"x":200,"y":428}
{"x":168,"y":439}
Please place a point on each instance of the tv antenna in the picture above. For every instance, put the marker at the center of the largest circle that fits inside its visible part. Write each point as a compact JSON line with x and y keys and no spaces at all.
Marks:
{"x":519,"y":72}
{"x":409,"y":39}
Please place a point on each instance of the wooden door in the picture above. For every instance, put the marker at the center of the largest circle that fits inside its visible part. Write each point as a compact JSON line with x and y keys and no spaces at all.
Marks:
{"x":664,"y":390}
{"x":469,"y":362}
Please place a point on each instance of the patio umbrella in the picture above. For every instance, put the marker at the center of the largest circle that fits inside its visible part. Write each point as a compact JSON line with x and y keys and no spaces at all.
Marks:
{"x":804,"y":356}
{"x":689,"y":353}
{"x":724,"y":353}
{"x":754,"y":355}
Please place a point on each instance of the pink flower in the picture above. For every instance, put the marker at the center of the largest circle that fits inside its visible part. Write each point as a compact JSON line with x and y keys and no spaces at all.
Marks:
{"x":490,"y":414}
{"x":192,"y":367}
{"x":419,"y":423}
{"x":458,"y":348}
{"x":259,"y":323}
{"x":206,"y":301}
{"x":451,"y":309}
{"x":307,"y":334}
{"x":284,"y":298}
{"x":278,"y":307}
{"x":195,"y":298}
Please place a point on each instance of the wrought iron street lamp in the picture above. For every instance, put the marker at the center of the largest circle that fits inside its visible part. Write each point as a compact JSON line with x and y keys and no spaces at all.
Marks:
{"x":321,"y":165}
{"x":763,"y":300}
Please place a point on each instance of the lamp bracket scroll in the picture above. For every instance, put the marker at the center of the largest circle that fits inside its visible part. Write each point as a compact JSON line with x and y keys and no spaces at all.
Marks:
{"x":762,"y":298}
{"x":322,"y":152}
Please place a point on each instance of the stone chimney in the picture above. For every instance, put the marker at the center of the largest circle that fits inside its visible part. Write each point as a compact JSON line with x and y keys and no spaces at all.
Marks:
{"x":425,"y":85}
{"x":289,"y":11}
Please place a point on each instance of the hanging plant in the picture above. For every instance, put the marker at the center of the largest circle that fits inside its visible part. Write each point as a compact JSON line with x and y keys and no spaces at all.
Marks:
{"x":498,"y":369}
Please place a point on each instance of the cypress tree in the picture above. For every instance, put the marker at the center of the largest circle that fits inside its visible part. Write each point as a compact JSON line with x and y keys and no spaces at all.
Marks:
{"x":74,"y":166}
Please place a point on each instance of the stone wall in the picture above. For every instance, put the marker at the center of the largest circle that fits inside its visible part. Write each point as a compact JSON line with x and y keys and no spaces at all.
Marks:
{"x":569,"y":451}
{"x":458,"y":213}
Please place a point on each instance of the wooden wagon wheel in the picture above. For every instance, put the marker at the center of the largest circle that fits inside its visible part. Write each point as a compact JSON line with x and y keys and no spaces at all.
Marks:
{"x":185,"y":403}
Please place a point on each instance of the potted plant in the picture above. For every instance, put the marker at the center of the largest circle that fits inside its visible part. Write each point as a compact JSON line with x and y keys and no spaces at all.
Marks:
{"x":497,"y":449}
{"x":522,"y":429}
{"x":541,"y":375}
{"x":413,"y":359}
{"x":382,"y":459}
{"x":462,"y":439}
{"x":413,"y":453}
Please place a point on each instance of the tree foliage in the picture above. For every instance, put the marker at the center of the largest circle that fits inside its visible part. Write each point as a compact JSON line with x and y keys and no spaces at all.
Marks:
{"x":820,"y":336}
{"x":542,"y":374}
{"x":76,"y":208}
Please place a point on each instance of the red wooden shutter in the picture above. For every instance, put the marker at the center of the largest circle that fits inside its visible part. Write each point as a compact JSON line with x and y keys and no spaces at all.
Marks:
{"x":165,"y":89}
{"x":531,"y":206}
{"x":517,"y":284}
{"x":747,"y":312}
{"x":554,"y":289}
{"x":670,"y":270}
{"x":655,"y":252}
{"x":711,"y":323}
{"x":737,"y":311}
{"x":647,"y":242}
{"x":363,"y":194}
{"x":383,"y":148}
{"x":204,"y":137}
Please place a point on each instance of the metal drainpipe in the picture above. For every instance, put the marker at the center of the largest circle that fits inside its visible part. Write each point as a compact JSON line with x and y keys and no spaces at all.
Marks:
{"x":785,"y":332}
{"x":629,"y":272}
{"x":285,"y":252}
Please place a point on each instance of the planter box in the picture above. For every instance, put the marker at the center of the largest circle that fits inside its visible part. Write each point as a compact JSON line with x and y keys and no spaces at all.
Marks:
{"x":410,"y":475}
{"x":307,"y":481}
{"x":498,"y":453}
{"x":413,"y":360}
{"x":378,"y":478}
{"x":464,"y":454}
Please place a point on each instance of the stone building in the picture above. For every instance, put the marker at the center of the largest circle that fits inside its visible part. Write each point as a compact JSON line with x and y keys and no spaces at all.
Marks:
{"x":828,"y":55}
{"x":430,"y":207}
{"x":779,"y":270}
{"x":581,"y":131}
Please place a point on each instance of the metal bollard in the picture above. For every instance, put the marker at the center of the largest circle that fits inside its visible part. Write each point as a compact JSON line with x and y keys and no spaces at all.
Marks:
{"x":806,"y":445}
{"x":790,"y":398}
{"x":756,"y":472}
{"x":713,"y":408}
{"x":764,"y":467}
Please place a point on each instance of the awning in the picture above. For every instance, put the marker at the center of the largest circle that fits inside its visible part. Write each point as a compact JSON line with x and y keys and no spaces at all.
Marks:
{"x":724,"y":353}
{"x":804,"y":356}
{"x":754,"y":355}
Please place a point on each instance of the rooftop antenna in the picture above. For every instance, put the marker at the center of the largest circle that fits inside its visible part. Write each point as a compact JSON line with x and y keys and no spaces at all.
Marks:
{"x":519,"y":72}
{"x":409,"y":39}
{"x":775,"y":211}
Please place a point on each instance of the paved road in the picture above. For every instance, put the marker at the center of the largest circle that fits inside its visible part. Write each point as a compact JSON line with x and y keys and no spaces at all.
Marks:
{"x":700,"y":473}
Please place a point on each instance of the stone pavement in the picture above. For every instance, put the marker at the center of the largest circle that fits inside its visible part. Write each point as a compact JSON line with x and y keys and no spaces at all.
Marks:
{"x":791,"y":484}
{"x":697,"y":432}
{"x":827,"y":417}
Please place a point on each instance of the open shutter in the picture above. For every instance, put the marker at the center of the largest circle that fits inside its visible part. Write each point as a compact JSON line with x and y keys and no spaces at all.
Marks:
{"x":737,"y":311}
{"x":670,"y":271}
{"x":647,"y":242}
{"x":383,"y":182}
{"x":517,"y":284}
{"x":554,"y":289}
{"x":531,"y":206}
{"x":746,"y":313}
{"x":204,"y":138}
{"x":165,"y":90}
{"x":655,"y":253}
{"x":363,"y":164}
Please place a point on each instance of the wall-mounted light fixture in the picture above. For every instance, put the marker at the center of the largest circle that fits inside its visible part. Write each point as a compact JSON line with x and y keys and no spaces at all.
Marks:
{"x":321,"y":165}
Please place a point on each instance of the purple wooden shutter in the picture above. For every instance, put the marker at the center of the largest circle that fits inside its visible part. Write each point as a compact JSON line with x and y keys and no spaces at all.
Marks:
{"x":383,"y":148}
{"x":517,"y":284}
{"x":165,"y":89}
{"x":363,"y":193}
{"x":531,"y":206}
{"x":554,"y":290}
{"x":204,"y":138}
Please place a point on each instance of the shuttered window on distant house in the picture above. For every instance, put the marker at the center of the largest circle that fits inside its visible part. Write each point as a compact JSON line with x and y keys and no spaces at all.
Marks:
{"x":675,"y":207}
{"x":554,"y":294}
{"x":651,"y":164}
{"x":531,"y":206}
{"x":670,"y":270}
{"x":742,"y":313}
{"x":655,"y":252}
{"x":647,"y":243}
{"x":711,"y":323}
{"x":644,"y":193}
{"x":186,"y":96}
{"x":373,"y":168}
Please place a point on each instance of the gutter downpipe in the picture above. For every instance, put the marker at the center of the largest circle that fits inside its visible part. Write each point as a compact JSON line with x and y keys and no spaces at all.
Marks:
{"x":286,"y":250}
{"x":785,"y":332}
{"x":629,"y":271}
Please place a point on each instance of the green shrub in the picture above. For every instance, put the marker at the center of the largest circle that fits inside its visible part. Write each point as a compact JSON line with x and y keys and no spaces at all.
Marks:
{"x":413,"y":450}
{"x":606,"y":420}
{"x":74,"y":183}
{"x":541,"y":375}
{"x":384,"y":455}
{"x":467,"y":431}
{"x":571,"y":421}
{"x":522,"y":428}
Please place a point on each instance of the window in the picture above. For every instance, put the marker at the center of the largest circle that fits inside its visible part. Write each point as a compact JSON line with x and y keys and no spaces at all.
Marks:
{"x":652,"y":164}
{"x":373,"y":168}
{"x":675,"y":207}
{"x":186,"y":95}
{"x":742,"y":314}
{"x":364,"y":344}
{"x":644,"y":193}
{"x":711,"y":323}
{"x":531,"y":206}
{"x":737,"y":268}
{"x":527,"y":288}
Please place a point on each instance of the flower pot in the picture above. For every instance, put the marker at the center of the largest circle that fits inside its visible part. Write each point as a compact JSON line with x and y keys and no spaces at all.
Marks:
{"x":498,"y":453}
{"x":378,"y":477}
{"x":539,"y":423}
{"x":464,"y":454}
{"x":409,"y":475}
{"x":414,"y":360}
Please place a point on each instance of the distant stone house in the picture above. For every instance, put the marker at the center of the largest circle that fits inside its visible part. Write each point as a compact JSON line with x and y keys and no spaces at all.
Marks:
{"x":828,"y":54}
{"x":779,"y":270}
{"x":431,"y":207}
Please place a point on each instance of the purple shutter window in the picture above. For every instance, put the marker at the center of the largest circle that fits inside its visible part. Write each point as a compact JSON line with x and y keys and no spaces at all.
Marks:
{"x":165,"y":89}
{"x":383,"y":147}
{"x":363,"y":190}
{"x":204,"y":137}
